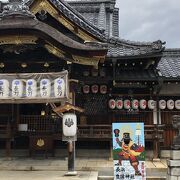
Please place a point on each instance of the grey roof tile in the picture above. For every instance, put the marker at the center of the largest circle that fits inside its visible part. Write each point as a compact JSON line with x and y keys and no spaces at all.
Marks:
{"x":169,"y":65}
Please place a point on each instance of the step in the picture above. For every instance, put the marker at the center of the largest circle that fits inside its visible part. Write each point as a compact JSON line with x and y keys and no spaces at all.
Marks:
{"x":147,"y":178}
{"x":152,"y":173}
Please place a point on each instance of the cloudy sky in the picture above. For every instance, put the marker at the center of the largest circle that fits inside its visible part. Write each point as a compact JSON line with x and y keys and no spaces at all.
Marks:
{"x":150,"y":20}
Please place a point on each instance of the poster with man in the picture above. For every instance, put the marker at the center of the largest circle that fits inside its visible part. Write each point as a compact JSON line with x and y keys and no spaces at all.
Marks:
{"x":128,"y":151}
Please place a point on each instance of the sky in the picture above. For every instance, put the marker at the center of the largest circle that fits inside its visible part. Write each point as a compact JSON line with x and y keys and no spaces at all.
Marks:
{"x":150,"y":20}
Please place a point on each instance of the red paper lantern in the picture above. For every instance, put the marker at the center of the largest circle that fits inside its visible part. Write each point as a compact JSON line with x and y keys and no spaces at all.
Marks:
{"x":119,"y":104}
{"x":112,"y":104}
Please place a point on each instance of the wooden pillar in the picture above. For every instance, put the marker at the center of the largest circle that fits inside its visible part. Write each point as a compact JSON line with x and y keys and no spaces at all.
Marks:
{"x":8,"y":148}
{"x":111,"y":151}
{"x":8,"y":140}
{"x":156,"y":145}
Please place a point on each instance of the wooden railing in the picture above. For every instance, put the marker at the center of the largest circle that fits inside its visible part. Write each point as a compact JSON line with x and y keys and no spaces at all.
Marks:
{"x":5,"y":131}
{"x":151,"y":132}
{"x":53,"y":125}
{"x":41,"y":124}
{"x":94,"y":131}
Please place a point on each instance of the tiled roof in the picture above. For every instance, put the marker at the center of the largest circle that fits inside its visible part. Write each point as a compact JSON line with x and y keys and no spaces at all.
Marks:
{"x":77,"y":18}
{"x":120,"y":48}
{"x":169,"y":65}
{"x":117,"y":47}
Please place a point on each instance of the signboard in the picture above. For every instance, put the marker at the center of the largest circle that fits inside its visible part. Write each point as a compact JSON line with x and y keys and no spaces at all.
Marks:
{"x":33,"y":87}
{"x":128,"y":151}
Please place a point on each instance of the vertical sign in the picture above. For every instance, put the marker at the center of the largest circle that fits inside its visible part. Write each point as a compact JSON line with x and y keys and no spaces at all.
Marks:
{"x":128,"y":151}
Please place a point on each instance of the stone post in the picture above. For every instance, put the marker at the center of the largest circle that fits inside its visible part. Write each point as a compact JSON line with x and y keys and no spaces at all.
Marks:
{"x":174,"y":162}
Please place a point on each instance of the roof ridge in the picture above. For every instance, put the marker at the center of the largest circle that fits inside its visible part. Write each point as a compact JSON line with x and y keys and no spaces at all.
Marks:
{"x":155,"y":44}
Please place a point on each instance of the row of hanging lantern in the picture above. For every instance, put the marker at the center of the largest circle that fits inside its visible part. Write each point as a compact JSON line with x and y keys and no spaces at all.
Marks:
{"x":95,"y":89}
{"x":143,"y":104}
{"x":31,"y":89}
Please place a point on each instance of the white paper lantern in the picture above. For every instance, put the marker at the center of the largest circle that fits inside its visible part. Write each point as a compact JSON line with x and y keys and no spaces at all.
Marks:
{"x":127,"y":104}
{"x":170,"y":104}
{"x":177,"y":104}
{"x":135,"y":104}
{"x":17,"y":88}
{"x":112,"y":104}
{"x":4,"y":88}
{"x":151,"y":104}
{"x":143,"y":104}
{"x":162,"y":104}
{"x":69,"y":124}
{"x":31,"y":88}
{"x":59,"y":88}
{"x":45,"y":88}
{"x":119,"y":104}
{"x":103,"y":89}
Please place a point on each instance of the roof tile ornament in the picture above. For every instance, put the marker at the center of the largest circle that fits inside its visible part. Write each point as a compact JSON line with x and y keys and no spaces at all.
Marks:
{"x":16,"y":8}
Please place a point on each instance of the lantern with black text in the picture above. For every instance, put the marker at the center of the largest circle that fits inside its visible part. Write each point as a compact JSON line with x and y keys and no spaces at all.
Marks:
{"x":31,"y":88}
{"x":45,"y":88}
{"x":4,"y":88}
{"x":59,"y":88}
{"x":143,"y":104}
{"x":119,"y":104}
{"x":69,"y":124}
{"x":177,"y":104}
{"x":127,"y":104}
{"x":151,"y":104}
{"x":170,"y":104}
{"x":135,"y":104}
{"x":112,"y":104}
{"x":17,"y":88}
{"x":162,"y":104}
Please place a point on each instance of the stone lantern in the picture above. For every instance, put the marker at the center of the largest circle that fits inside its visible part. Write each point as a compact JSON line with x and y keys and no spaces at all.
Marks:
{"x":176,"y":124}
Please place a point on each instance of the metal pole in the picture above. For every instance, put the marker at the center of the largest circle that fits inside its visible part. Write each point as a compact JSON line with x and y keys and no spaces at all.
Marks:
{"x":71,"y":155}
{"x":71,"y":148}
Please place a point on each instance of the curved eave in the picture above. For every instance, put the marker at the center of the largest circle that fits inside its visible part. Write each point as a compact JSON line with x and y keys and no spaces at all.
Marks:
{"x":57,"y":43}
{"x":68,"y":17}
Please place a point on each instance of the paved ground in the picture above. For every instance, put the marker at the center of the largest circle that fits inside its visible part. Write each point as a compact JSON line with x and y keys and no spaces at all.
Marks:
{"x":46,"y":175}
{"x":55,"y":168}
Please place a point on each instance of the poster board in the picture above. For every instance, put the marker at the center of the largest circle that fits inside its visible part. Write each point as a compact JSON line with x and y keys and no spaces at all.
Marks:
{"x":128,"y":151}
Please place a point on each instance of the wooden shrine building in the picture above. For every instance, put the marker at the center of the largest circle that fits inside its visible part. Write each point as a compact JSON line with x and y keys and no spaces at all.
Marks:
{"x":116,"y":79}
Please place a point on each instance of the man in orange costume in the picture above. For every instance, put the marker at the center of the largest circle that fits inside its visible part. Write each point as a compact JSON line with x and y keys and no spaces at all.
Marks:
{"x":130,"y":151}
